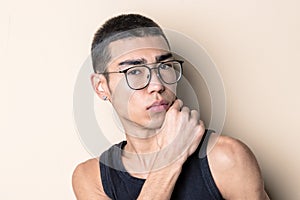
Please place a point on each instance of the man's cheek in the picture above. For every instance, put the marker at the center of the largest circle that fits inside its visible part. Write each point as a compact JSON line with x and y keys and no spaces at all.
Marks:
{"x":171,"y":88}
{"x":135,"y":108}
{"x":121,"y":96}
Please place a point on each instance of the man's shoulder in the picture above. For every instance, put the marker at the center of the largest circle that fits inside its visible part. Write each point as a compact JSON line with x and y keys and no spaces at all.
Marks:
{"x":87,"y":167}
{"x":86,"y":180}
{"x":227,"y":151}
{"x":86,"y":173}
{"x":234,"y":166}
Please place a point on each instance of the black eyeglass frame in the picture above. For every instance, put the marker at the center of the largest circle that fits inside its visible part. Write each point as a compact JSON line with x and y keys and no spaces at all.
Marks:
{"x":124,"y":71}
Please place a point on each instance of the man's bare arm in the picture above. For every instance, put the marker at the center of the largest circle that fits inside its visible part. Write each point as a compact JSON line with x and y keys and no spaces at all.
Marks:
{"x":160,"y":184}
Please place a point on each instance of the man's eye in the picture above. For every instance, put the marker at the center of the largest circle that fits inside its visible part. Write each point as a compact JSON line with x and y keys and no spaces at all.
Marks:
{"x":134,"y":72}
{"x":166,"y":66}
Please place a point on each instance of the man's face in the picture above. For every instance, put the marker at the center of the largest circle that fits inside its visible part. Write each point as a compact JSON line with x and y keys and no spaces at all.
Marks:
{"x":145,"y":108}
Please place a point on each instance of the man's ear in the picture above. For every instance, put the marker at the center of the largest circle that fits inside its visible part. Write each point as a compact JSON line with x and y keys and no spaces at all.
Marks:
{"x":100,"y":86}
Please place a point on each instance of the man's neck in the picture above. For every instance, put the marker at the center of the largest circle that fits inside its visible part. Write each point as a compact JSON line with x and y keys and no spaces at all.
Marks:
{"x":141,"y":145}
{"x":139,"y":155}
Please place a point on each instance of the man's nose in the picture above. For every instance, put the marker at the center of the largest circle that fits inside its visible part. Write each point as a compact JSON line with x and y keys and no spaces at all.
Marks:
{"x":155,"y":84}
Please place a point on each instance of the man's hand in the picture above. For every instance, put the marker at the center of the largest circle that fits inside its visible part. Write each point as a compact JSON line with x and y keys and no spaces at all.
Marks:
{"x":179,"y":135}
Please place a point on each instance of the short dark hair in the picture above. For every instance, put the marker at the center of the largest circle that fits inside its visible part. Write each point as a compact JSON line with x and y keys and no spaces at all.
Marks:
{"x":120,"y":27}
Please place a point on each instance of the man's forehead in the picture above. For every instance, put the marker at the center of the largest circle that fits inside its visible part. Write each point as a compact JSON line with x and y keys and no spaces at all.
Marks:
{"x":125,"y":46}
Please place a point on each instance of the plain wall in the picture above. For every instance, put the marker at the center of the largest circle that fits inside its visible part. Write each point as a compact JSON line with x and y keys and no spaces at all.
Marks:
{"x":43,"y":43}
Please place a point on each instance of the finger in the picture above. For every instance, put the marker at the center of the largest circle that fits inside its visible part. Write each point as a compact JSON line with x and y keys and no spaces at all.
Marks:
{"x":195,"y":115}
{"x":177,"y":104}
{"x":201,"y":130}
{"x":185,"y":109}
{"x":202,"y":124}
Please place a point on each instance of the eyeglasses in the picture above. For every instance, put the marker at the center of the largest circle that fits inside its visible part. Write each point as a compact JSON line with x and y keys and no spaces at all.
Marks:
{"x":138,"y":76}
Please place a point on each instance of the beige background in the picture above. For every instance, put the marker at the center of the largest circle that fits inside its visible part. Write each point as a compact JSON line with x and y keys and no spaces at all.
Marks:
{"x":255,"y":45}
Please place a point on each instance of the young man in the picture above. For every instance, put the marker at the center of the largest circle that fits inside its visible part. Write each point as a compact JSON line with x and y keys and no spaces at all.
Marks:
{"x":164,"y":155}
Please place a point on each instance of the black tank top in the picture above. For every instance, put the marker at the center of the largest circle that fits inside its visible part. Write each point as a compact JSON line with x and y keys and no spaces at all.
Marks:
{"x":194,"y":182}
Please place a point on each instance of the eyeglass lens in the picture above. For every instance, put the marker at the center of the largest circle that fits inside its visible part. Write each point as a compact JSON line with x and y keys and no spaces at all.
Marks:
{"x":139,"y":77}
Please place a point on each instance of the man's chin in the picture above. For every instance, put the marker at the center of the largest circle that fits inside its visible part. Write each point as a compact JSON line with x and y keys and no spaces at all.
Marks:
{"x":155,"y":123}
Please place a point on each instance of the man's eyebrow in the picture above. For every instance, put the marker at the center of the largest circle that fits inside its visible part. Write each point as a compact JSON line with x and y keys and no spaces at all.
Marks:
{"x":163,"y":57}
{"x":133,"y":62}
{"x":143,"y":61}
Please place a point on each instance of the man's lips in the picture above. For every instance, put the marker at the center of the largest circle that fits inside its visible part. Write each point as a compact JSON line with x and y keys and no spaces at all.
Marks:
{"x":159,"y":106}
